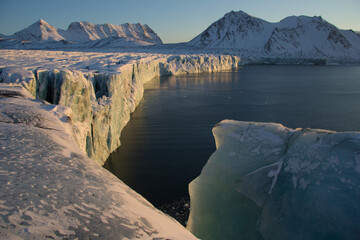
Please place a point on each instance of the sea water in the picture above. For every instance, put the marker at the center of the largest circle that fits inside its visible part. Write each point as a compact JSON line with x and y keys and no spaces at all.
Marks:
{"x":168,"y":139}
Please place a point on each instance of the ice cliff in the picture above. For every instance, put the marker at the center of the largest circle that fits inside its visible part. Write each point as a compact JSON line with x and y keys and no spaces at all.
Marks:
{"x":50,"y":186}
{"x":50,"y":190}
{"x":266,"y":181}
{"x":101,"y":98}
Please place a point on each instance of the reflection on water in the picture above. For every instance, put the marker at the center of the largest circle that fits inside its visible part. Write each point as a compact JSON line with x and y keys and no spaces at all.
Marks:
{"x":195,"y":80}
{"x":168,"y":139}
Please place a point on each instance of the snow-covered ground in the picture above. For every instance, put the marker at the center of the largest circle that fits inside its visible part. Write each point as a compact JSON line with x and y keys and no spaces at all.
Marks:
{"x":93,"y":76}
{"x":84,"y":61}
{"x":50,"y":189}
{"x":266,"y":181}
{"x":104,"y":61}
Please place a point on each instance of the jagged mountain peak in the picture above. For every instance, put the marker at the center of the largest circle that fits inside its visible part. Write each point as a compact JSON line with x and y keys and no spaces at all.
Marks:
{"x":236,"y":14}
{"x":239,"y":14}
{"x":42,"y":24}
{"x":82,"y":31}
{"x":38,"y":31}
{"x":41,"y":21}
{"x":78,"y":24}
{"x":229,"y":29}
{"x":241,"y":18}
{"x":294,"y":36}
{"x":297,"y":21}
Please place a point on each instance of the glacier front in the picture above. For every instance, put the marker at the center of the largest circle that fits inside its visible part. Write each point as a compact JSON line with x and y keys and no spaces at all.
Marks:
{"x":266,"y":181}
{"x":50,"y":190}
{"x":102,"y":90}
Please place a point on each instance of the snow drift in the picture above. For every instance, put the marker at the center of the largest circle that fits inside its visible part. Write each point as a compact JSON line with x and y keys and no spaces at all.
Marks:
{"x":266,"y":181}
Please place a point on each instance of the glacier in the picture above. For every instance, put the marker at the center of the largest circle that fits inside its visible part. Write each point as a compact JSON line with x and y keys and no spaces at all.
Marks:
{"x":51,"y":190}
{"x":101,"y":90}
{"x":76,"y":92}
{"x":61,"y":115}
{"x":266,"y":181}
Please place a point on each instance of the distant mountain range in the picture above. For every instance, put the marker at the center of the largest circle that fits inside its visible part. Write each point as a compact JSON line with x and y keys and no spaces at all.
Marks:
{"x":239,"y":33}
{"x":81,"y":32}
{"x":298,"y":37}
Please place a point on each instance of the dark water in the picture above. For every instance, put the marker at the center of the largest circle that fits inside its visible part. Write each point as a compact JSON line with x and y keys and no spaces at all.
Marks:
{"x":168,"y":139}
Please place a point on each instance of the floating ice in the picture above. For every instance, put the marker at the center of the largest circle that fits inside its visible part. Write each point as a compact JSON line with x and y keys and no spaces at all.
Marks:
{"x":266,"y":181}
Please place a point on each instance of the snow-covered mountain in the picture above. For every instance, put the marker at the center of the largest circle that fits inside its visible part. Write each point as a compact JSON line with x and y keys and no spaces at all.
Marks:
{"x":39,"y":31}
{"x":81,"y":32}
{"x":84,"y":31}
{"x":304,"y":37}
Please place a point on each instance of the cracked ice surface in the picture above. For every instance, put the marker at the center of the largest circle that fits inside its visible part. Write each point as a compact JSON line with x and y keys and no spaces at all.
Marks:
{"x":49,"y":189}
{"x":266,"y":181}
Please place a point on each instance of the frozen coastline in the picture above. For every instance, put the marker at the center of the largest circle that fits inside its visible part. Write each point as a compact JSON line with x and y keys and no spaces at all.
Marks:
{"x":101,"y":89}
{"x":51,"y":188}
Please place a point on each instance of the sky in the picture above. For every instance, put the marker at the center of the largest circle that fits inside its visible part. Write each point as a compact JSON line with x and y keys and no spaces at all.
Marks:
{"x":173,"y":20}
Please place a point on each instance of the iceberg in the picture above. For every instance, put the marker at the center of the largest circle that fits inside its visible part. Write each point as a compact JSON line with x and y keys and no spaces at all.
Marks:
{"x":266,"y":181}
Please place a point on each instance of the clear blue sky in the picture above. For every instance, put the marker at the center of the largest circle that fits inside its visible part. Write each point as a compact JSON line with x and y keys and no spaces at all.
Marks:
{"x":172,"y":20}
